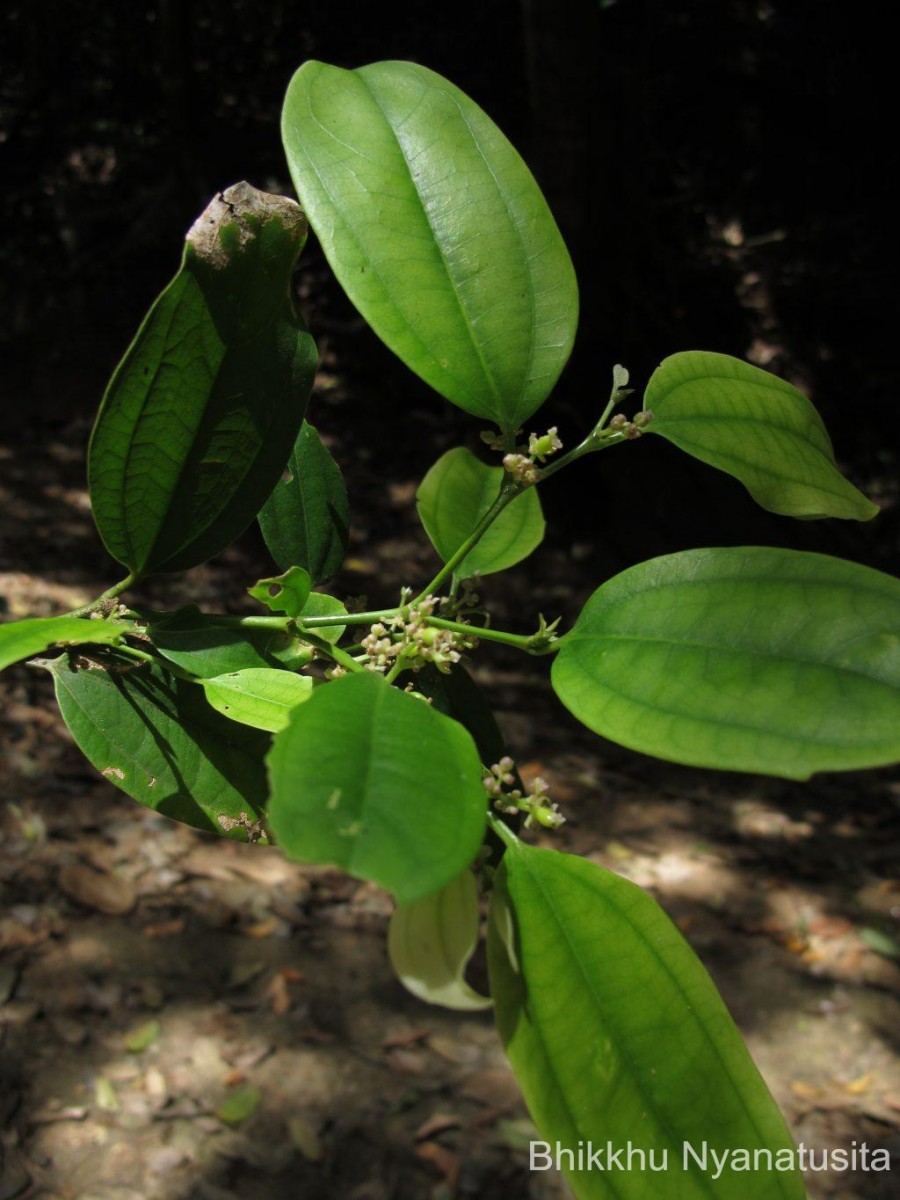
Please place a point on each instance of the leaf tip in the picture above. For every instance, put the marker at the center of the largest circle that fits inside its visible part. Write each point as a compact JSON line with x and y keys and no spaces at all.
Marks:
{"x":244,"y":209}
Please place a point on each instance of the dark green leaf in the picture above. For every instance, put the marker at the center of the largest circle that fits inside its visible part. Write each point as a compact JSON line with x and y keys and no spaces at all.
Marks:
{"x":195,"y":426}
{"x":436,"y":230}
{"x":287,"y":593}
{"x":617,"y":1036}
{"x":747,"y":659}
{"x":306,"y":520}
{"x":755,"y":427}
{"x":157,"y":739}
{"x":204,"y":646}
{"x":22,"y":639}
{"x":459,"y":696}
{"x":455,"y":493}
{"x":375,"y":781}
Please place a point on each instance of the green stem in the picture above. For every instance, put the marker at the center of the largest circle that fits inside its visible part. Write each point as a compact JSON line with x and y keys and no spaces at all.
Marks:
{"x":301,"y":622}
{"x":502,"y":830}
{"x":597,"y":439}
{"x":397,"y":669}
{"x":110,"y":594}
{"x":251,"y":622}
{"x":339,"y":656}
{"x":509,"y":489}
{"x":143,"y":657}
{"x":363,"y":618}
{"x":519,"y":641}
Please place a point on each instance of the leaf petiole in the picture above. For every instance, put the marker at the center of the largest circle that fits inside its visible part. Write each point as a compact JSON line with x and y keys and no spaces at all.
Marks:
{"x":509,"y":490}
{"x":110,"y":594}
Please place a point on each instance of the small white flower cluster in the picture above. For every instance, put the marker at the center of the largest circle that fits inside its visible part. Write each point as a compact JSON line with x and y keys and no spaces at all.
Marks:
{"x":522,"y":469}
{"x":536,"y":803}
{"x":407,"y":636}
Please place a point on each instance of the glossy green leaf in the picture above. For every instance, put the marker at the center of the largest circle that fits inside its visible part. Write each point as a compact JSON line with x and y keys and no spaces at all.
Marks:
{"x":157,"y":739}
{"x":375,"y":781}
{"x":287,"y":593}
{"x":436,"y":230}
{"x":306,"y":520}
{"x":259,"y":696}
{"x":618,"y":1038}
{"x":22,"y":639}
{"x":455,"y":493}
{"x":204,"y":646}
{"x":196,"y":424}
{"x":747,"y":659}
{"x":756,"y":427}
{"x":431,"y":941}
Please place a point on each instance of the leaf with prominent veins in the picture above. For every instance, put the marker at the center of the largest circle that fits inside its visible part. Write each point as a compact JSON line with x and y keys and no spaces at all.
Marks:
{"x":436,"y":230}
{"x":199,"y":417}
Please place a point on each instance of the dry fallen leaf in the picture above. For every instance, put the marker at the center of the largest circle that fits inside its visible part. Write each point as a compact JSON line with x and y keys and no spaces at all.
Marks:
{"x":497,"y":1088}
{"x":278,"y":994}
{"x":407,"y":1038}
{"x":165,"y":929}
{"x":445,"y":1161}
{"x":407,"y":1062}
{"x":305,"y":1138}
{"x":436,"y":1124}
{"x":106,"y":893}
{"x":262,"y":929}
{"x":858,"y":1086}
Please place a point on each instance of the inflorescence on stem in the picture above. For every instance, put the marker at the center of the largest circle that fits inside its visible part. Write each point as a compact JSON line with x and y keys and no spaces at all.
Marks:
{"x":500,"y":783}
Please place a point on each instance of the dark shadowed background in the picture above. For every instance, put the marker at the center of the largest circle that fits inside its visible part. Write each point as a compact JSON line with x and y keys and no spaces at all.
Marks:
{"x":715,"y":166}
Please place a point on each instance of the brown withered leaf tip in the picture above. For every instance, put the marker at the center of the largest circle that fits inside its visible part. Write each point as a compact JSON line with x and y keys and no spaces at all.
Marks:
{"x":244,"y":206}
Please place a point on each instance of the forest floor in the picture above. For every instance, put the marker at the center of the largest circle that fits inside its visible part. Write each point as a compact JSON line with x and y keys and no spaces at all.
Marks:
{"x":188,"y":1019}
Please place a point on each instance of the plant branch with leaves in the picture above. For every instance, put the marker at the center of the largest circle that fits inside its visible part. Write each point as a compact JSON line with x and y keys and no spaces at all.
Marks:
{"x":360,"y":739}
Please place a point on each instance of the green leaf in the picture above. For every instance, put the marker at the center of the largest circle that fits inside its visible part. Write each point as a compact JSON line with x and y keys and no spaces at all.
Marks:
{"x":22,"y":639}
{"x":195,"y":426}
{"x":431,"y":941}
{"x":747,"y":659}
{"x":375,"y":781}
{"x":239,"y":1105}
{"x":143,"y":1037}
{"x":204,"y":646}
{"x":756,"y":427}
{"x":306,"y":520}
{"x":881,"y":943}
{"x":455,"y":493}
{"x":617,"y":1036}
{"x":287,"y":593}
{"x":436,"y":230}
{"x":157,"y":739}
{"x":259,"y":696}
